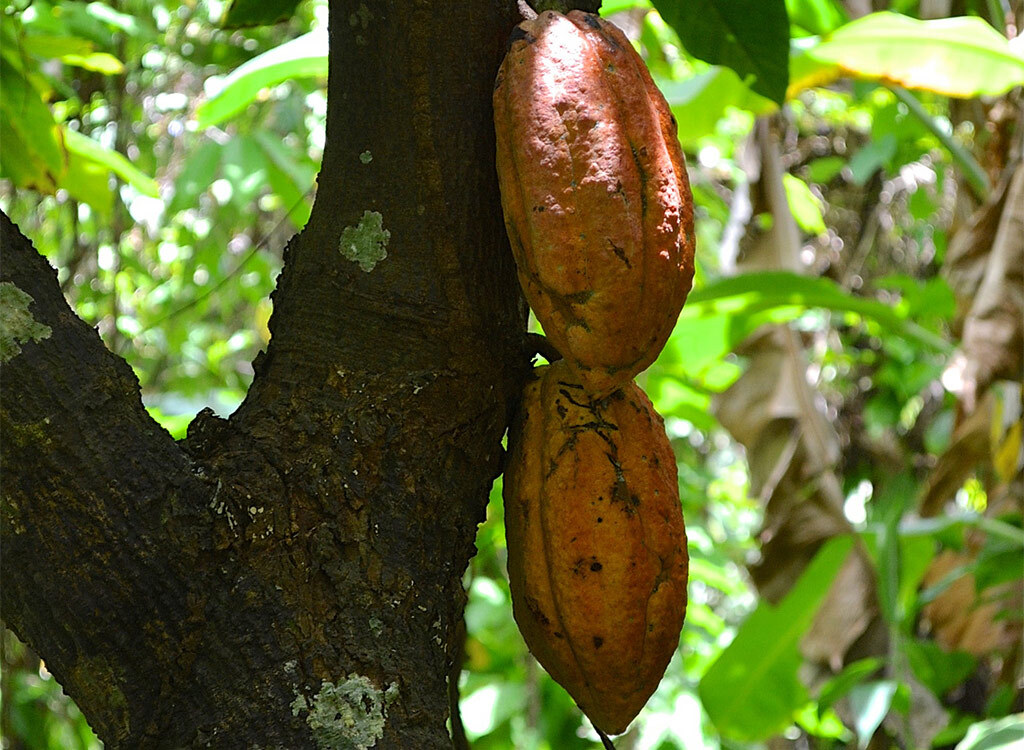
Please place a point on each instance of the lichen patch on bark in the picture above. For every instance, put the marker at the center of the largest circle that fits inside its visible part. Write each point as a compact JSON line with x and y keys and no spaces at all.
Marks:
{"x":346,"y":716}
{"x":17,"y":326}
{"x":366,"y":244}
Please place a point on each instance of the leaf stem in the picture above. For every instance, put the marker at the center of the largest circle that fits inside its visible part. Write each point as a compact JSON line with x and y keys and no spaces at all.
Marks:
{"x":976,"y":178}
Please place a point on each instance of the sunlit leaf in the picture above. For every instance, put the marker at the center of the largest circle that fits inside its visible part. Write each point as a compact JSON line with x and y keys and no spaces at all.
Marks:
{"x":100,"y":62}
{"x":816,"y":16}
{"x":699,"y":102}
{"x":304,"y":56}
{"x":961,"y":57}
{"x":121,"y":21}
{"x":608,"y":7}
{"x":869,"y":704}
{"x":749,"y":36}
{"x":89,"y":149}
{"x":804,"y":204}
{"x":994,"y":733}
{"x":752,"y":691}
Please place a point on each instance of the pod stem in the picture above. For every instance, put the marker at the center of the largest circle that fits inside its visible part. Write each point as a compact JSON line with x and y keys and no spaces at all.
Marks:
{"x":526,"y":11}
{"x":538,"y":344}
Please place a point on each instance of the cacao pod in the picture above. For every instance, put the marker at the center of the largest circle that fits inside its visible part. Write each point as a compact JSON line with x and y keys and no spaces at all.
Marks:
{"x":597,"y":556}
{"x":595,"y":194}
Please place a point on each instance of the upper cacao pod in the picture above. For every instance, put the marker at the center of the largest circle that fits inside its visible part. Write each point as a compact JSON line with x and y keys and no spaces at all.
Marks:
{"x":596,"y":198}
{"x":597,"y":557}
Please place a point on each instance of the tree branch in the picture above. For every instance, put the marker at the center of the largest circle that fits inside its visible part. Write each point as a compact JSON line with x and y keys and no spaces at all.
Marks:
{"x":292,"y":572}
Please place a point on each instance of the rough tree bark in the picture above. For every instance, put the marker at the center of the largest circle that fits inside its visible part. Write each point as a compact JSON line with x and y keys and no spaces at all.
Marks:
{"x":289,"y":576}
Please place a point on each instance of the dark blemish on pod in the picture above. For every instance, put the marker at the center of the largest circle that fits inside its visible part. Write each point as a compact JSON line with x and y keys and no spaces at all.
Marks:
{"x":600,"y":520}
{"x":598,"y":641}
{"x":580,"y":298}
{"x":520,"y":33}
{"x":620,"y":253}
{"x":596,"y":566}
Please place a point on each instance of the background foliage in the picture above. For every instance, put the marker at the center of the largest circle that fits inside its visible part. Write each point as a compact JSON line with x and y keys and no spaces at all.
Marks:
{"x":849,"y":444}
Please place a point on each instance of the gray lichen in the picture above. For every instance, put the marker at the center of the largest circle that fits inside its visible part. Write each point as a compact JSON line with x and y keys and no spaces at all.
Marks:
{"x":16,"y":323}
{"x":347,"y":716}
{"x":367,"y":243}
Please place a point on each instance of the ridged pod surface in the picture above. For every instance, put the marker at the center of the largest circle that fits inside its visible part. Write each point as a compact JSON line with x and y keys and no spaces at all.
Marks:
{"x":595,"y":193}
{"x":596,"y":545}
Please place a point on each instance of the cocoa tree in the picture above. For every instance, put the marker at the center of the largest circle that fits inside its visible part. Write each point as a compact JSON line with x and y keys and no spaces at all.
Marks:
{"x":289,"y":576}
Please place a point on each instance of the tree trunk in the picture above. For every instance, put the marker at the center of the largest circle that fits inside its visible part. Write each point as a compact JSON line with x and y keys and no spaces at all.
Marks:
{"x":289,"y":576}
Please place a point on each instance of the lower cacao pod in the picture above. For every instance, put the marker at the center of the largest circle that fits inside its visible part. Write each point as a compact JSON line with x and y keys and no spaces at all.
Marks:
{"x":597,"y":556}
{"x":596,"y":198}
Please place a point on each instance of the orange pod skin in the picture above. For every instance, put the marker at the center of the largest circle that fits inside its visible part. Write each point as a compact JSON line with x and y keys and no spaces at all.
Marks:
{"x":595,"y":194}
{"x":597,"y":555}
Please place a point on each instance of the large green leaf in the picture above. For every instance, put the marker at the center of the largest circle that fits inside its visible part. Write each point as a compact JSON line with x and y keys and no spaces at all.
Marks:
{"x":700,"y":101}
{"x":31,"y":154}
{"x":962,"y":57}
{"x":752,"y":690}
{"x":304,"y":56}
{"x":789,"y":295}
{"x":87,"y":148}
{"x":749,"y":36}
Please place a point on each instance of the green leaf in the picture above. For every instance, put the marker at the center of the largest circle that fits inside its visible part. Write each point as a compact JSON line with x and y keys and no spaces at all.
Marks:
{"x":804,"y":205}
{"x":823,"y":170}
{"x":700,"y":101}
{"x":853,"y":674}
{"x":175,"y":424}
{"x":824,"y":724}
{"x":71,"y":50}
{"x":872,"y":157}
{"x":120,"y":21}
{"x":31,"y":153}
{"x":816,"y":16}
{"x":962,"y":57}
{"x":87,"y":148}
{"x":608,"y":7}
{"x":87,"y":182}
{"x":869,"y":704}
{"x":199,"y":171}
{"x":54,"y":45}
{"x":939,"y":670}
{"x":994,"y":733}
{"x":243,"y":13}
{"x":743,"y":297}
{"x":100,"y":62}
{"x":291,"y":179}
{"x":752,"y":690}
{"x":304,"y":56}
{"x":749,"y":36}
